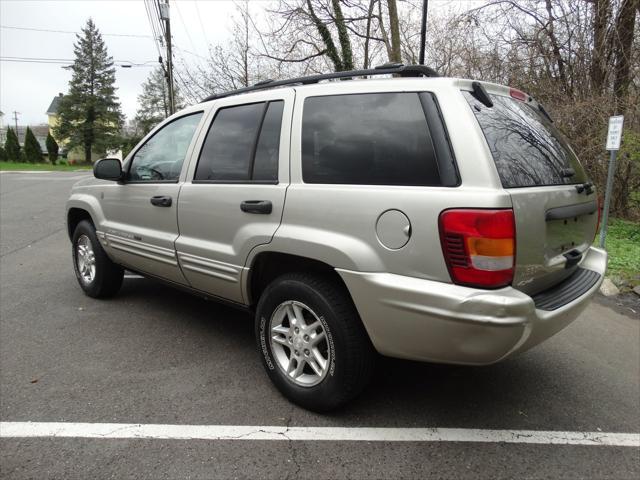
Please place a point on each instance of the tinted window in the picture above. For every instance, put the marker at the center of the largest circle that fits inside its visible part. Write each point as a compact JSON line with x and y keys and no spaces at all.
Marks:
{"x":268,"y":149}
{"x":373,"y":139}
{"x":228,"y":148}
{"x":162,"y":156}
{"x":527,"y":149}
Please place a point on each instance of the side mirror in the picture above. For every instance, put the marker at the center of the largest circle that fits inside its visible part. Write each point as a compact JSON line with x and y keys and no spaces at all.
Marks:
{"x":108,"y":169}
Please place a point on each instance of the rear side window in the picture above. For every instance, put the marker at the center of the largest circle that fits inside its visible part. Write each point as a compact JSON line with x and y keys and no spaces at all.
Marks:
{"x":367,"y":139}
{"x":527,"y":149}
{"x":242,"y":144}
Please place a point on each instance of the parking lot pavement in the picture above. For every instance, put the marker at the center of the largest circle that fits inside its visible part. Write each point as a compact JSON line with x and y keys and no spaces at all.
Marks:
{"x":153,"y":355}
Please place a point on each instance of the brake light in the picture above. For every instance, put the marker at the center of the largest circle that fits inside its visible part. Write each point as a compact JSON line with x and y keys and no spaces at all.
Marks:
{"x":479,"y":246}
{"x":518,"y":94}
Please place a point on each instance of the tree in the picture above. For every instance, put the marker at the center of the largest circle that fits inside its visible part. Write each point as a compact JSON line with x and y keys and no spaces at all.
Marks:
{"x":3,"y":154}
{"x":32,"y":150}
{"x":52,"y":148}
{"x":153,"y":102}
{"x":90,"y":114}
{"x":12,"y":146}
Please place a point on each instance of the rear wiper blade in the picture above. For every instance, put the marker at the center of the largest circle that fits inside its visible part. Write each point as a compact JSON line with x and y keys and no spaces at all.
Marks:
{"x":481,"y":94}
{"x":545,"y":113}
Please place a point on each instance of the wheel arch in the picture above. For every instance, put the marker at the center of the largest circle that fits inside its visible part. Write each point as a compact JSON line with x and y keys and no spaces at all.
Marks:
{"x":268,"y":265}
{"x":74,"y":216}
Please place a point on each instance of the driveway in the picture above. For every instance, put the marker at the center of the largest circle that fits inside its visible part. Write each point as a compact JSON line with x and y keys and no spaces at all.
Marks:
{"x":183,"y":373}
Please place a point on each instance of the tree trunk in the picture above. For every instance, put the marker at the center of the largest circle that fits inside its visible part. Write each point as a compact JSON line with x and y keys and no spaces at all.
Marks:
{"x":367,"y":39}
{"x":343,"y":36}
{"x":557,"y":56}
{"x":601,"y":17}
{"x":625,"y":26}
{"x":394,"y":28}
{"x":87,"y":152}
{"x":325,"y":34}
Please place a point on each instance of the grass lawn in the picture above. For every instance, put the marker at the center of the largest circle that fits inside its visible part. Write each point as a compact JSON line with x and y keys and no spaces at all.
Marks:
{"x":623,"y":245}
{"x":42,"y":166}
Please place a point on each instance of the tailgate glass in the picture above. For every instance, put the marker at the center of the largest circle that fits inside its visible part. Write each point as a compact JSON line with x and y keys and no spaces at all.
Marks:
{"x":527,"y":149}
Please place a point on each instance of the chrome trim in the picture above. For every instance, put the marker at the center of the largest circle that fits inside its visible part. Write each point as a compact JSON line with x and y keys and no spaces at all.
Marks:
{"x":211,"y":268}
{"x":145,"y":250}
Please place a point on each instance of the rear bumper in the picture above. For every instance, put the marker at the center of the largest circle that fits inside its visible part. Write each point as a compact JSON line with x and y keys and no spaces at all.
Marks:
{"x":424,"y":320}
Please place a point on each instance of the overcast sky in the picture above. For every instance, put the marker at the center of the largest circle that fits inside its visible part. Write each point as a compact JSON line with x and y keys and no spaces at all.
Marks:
{"x":29,"y":87}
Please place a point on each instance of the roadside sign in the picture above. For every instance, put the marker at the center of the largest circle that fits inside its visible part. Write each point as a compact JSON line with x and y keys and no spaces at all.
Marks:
{"x":614,"y":134}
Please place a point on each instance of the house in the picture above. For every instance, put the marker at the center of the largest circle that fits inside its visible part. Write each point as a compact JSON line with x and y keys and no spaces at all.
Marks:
{"x":2,"y":130}
{"x":52,"y":114}
{"x":75,"y":155}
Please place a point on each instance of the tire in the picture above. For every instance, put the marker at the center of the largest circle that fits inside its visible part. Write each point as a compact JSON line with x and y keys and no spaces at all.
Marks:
{"x":346,"y":348}
{"x":106,"y":277}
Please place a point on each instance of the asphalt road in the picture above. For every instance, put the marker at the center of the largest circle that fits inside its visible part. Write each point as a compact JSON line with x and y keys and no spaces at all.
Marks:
{"x":155,"y":355}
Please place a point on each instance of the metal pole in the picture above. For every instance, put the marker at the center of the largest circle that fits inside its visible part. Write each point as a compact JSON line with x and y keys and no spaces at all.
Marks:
{"x":423,"y":31}
{"x":166,"y":17}
{"x":607,"y":197}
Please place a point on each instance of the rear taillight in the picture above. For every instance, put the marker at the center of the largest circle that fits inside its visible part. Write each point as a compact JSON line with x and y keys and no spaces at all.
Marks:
{"x":479,"y":246}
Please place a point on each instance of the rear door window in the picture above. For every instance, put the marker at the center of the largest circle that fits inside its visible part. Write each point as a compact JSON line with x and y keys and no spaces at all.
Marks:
{"x":367,"y":139}
{"x":527,"y":148}
{"x":242,"y":145}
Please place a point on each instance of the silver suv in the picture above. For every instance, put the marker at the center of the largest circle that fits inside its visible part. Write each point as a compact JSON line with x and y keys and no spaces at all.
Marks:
{"x":432,"y":219}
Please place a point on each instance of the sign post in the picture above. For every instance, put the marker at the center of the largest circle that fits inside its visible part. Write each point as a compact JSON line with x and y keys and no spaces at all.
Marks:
{"x":614,"y":136}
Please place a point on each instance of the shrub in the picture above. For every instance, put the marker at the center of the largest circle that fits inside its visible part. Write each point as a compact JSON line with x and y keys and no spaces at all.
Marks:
{"x":12,"y":146}
{"x":32,"y":150}
{"x":52,"y":149}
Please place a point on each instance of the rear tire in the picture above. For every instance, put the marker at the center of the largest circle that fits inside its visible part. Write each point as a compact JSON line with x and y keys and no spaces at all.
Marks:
{"x":97,"y":275}
{"x":312,"y":320}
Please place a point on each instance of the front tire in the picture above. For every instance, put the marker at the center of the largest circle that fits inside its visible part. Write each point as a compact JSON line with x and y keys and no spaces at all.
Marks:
{"x":97,"y":275}
{"x":312,"y":342}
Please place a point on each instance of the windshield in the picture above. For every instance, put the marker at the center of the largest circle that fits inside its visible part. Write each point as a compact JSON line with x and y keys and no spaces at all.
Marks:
{"x":527,"y":149}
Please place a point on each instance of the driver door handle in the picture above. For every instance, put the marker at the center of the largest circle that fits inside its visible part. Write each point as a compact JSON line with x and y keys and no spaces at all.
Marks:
{"x":161,"y":201}
{"x":256,"y":206}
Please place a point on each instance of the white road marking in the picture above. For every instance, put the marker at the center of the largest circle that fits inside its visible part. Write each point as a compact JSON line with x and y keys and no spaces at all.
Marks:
{"x":245,"y":432}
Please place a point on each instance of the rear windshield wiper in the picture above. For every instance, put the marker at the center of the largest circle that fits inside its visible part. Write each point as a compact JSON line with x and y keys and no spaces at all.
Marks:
{"x":481,"y":94}
{"x":545,"y":113}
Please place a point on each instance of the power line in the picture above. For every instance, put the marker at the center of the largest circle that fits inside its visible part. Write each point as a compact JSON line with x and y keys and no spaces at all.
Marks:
{"x":154,"y":30}
{"x":11,"y":27}
{"x":199,"y":15}
{"x":69,"y":61}
{"x":186,"y":30}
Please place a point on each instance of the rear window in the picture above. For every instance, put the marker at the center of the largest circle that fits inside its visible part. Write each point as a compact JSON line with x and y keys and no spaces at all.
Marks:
{"x":367,"y":139}
{"x":527,"y":149}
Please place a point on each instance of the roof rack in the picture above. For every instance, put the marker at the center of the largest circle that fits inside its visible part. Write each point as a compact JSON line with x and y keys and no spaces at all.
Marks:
{"x":386,"y":69}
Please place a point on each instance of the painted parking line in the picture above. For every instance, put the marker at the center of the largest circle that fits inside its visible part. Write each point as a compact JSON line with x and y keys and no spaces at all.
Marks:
{"x":244,"y":432}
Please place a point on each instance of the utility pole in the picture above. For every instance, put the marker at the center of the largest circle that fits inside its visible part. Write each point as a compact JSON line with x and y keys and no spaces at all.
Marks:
{"x":423,"y":31}
{"x":15,"y":118}
{"x":164,"y":15}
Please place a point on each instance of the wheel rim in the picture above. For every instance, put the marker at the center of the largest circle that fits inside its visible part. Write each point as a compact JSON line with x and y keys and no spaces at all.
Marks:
{"x":86,"y":259}
{"x":298,"y":340}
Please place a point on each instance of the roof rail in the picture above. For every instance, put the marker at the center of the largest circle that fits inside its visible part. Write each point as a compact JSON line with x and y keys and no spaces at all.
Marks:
{"x":386,"y":69}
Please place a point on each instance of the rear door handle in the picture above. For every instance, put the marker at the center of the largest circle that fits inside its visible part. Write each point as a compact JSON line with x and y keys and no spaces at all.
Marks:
{"x":257,"y":206}
{"x":161,"y":201}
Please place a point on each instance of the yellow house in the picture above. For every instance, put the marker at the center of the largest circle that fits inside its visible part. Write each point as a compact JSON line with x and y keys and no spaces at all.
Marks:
{"x":75,"y":155}
{"x":52,"y":114}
